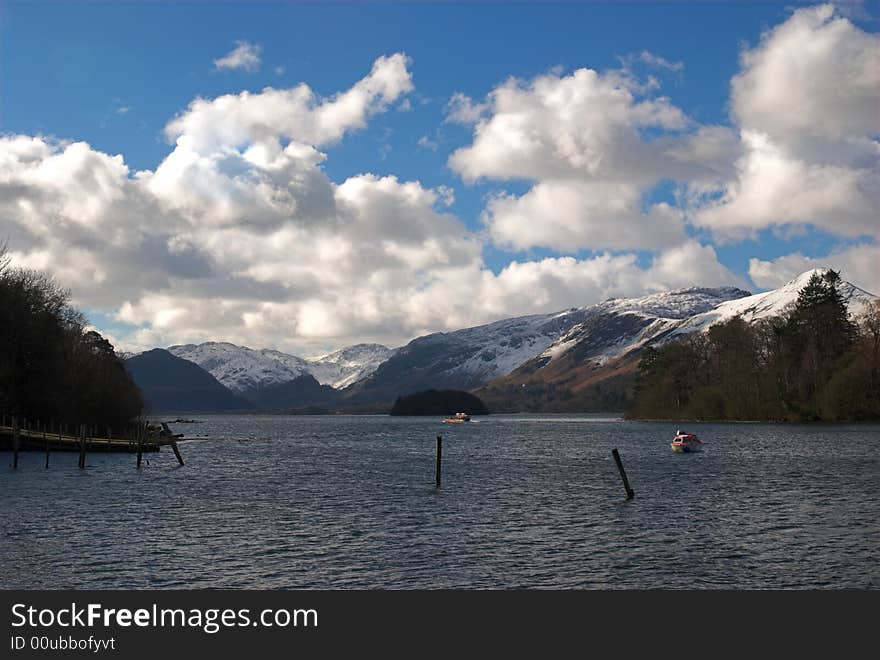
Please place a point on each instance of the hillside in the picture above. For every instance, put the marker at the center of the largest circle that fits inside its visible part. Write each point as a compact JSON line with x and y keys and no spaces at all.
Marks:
{"x":348,"y":365}
{"x":463,"y":359}
{"x":593,"y":367}
{"x":172,"y":384}
{"x":245,"y":370}
{"x":578,"y":359}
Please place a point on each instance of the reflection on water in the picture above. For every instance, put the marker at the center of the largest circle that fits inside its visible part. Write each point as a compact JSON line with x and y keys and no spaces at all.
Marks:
{"x":527,"y":501}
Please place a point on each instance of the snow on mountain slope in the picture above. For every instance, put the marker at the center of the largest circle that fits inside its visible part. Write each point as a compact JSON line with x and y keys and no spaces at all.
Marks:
{"x":244,"y":369}
{"x":498,"y":348}
{"x":468,"y":358}
{"x":537,"y":346}
{"x":348,"y":365}
{"x":240,"y":368}
{"x":619,"y":325}
{"x":773,"y":303}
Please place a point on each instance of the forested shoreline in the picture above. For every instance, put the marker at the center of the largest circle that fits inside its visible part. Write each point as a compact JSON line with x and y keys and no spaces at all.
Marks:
{"x":52,"y":367}
{"x":813,"y":363}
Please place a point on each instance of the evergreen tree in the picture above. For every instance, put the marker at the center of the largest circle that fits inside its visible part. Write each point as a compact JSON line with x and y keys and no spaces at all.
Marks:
{"x":814,"y":363}
{"x":818,"y":332}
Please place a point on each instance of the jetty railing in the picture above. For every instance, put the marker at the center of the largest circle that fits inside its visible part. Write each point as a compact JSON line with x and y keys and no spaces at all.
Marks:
{"x":22,"y":434}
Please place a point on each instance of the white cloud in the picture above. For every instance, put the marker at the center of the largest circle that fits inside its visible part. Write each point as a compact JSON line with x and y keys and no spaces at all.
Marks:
{"x":245,"y":57}
{"x":773,"y":187}
{"x":582,"y":125}
{"x":239,"y":234}
{"x":816,"y":74}
{"x":382,"y":261}
{"x":659,"y":62}
{"x":583,"y":142}
{"x":650,"y":60}
{"x":296,"y":114}
{"x":563,"y":214}
{"x":462,"y":110}
{"x":858,"y":264}
{"x":806,"y":102}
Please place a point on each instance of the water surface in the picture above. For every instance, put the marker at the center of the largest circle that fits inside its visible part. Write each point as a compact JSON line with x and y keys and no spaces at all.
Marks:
{"x":527,"y":502}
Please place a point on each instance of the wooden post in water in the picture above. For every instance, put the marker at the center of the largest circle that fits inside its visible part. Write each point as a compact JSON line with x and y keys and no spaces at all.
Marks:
{"x":46,"y":440}
{"x":140,"y":443}
{"x":176,"y":451}
{"x":439,"y":460}
{"x":629,"y":491}
{"x":16,"y":432}
{"x":82,"y":446}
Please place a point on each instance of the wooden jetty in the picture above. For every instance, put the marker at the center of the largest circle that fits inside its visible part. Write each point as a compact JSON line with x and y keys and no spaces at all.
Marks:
{"x":21,"y":435}
{"x":34,"y":440}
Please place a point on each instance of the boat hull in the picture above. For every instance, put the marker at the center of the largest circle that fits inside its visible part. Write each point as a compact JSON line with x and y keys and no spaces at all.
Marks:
{"x":686,"y":448}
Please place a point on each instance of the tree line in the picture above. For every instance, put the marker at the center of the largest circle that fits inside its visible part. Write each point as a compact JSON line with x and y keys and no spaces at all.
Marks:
{"x":813,"y":363}
{"x":52,"y":368}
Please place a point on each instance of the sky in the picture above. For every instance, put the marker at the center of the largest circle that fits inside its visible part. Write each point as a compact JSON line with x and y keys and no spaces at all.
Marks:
{"x":304,"y":176}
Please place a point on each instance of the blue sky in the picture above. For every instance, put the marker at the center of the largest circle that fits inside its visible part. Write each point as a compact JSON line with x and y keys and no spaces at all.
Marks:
{"x":114,"y":75}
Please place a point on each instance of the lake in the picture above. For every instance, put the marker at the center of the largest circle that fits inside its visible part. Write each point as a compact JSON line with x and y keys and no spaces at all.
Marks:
{"x":528,"y":501}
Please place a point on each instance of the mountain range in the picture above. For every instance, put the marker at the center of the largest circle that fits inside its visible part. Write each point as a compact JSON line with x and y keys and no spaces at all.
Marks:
{"x":578,"y":359}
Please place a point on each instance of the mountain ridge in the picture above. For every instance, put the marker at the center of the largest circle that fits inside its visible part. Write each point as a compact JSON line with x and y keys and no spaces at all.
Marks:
{"x":556,"y":358}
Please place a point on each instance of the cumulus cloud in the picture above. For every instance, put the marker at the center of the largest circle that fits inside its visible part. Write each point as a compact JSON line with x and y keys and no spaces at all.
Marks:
{"x":858,"y":264}
{"x":238,"y":229}
{"x":594,"y":146}
{"x":806,"y":102}
{"x":296,"y":114}
{"x":377,"y":258}
{"x":239,"y":234}
{"x":560,"y":214}
{"x":585,"y":124}
{"x":245,"y":56}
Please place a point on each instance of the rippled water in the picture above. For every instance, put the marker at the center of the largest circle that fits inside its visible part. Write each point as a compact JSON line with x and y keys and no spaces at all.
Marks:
{"x":527,"y":501}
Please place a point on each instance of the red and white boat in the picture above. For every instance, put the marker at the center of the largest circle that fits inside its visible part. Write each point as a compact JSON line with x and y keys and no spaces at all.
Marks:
{"x":686,"y":443}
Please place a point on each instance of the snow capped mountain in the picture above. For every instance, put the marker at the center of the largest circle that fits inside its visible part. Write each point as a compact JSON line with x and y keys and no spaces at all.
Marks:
{"x":568,"y":350}
{"x":773,"y":303}
{"x":464,"y":359}
{"x":619,"y":325}
{"x":592,"y":366}
{"x":244,"y":369}
{"x":348,"y":365}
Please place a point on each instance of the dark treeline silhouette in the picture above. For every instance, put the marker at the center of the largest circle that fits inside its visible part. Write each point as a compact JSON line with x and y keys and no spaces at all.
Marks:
{"x":813,"y":363}
{"x":439,"y":402}
{"x":51,"y":368}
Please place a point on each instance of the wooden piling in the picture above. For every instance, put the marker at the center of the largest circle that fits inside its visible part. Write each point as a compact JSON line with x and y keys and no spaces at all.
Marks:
{"x":629,"y":491}
{"x":438,"y":461}
{"x":177,"y":452}
{"x":140,"y":444}
{"x":16,"y":439}
{"x":82,"y":446}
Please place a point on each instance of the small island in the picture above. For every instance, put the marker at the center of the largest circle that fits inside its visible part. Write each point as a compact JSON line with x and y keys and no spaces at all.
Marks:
{"x":439,"y":402}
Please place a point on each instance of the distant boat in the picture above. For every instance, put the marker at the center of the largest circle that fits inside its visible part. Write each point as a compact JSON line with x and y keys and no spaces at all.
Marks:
{"x":686,"y":443}
{"x":458,"y":418}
